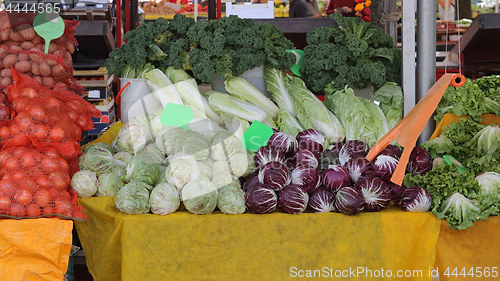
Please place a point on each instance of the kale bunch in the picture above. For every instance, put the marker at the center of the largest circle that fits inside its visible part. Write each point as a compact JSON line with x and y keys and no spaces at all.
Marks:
{"x":230,"y":46}
{"x":160,"y":43}
{"x":354,"y":53}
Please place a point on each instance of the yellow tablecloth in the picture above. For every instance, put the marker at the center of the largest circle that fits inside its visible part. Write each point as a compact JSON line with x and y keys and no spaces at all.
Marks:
{"x":34,"y":249}
{"x":477,"y":248}
{"x":182,"y":246}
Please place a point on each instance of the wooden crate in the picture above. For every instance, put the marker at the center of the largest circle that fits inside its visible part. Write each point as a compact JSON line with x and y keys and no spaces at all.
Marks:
{"x":100,"y":73}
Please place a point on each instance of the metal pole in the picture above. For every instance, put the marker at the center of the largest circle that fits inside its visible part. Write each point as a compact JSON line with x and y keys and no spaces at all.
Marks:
{"x":211,"y":10}
{"x":392,"y":7}
{"x":426,"y":57}
{"x":496,"y":6}
{"x":408,"y":47}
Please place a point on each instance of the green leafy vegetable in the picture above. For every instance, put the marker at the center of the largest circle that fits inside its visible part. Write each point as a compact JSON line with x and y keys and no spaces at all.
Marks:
{"x":276,"y":86}
{"x":390,"y":97}
{"x":242,"y":89}
{"x":356,"y":54}
{"x":312,"y":113}
{"x":288,"y":124}
{"x":162,"y":88}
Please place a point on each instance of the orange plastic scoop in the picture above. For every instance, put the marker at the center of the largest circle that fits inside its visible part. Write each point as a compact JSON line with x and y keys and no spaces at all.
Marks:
{"x":409,"y":129}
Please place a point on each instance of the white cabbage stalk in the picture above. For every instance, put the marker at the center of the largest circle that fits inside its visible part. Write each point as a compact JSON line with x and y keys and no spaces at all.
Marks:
{"x":224,"y":103}
{"x":163,"y":89}
{"x":276,"y":86}
{"x":311,"y":112}
{"x":288,"y":124}
{"x":191,"y":96}
{"x":242,"y":89}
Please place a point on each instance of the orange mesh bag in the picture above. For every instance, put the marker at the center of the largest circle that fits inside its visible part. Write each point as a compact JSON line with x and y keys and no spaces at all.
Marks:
{"x":34,"y":182}
{"x":23,"y":49}
{"x":18,"y":27}
{"x":32,"y":101}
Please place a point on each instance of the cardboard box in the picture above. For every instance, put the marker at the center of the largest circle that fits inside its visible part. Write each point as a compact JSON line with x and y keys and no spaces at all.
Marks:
{"x":107,"y":119}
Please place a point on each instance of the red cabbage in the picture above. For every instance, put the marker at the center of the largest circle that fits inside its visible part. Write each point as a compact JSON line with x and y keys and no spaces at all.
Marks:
{"x":416,"y":199}
{"x":349,"y":201}
{"x":306,"y":177}
{"x":275,"y":175}
{"x":352,"y":149}
{"x":375,"y":193}
{"x":304,"y":157}
{"x":336,"y":177}
{"x":358,"y":167}
{"x":384,"y":166}
{"x":311,"y":139}
{"x":266,"y":154}
{"x":251,"y":180}
{"x":292,"y":199}
{"x":396,"y":192}
{"x":261,"y":199}
{"x":284,"y":142}
{"x":420,"y":161}
{"x":392,"y":150}
{"x":322,"y":200}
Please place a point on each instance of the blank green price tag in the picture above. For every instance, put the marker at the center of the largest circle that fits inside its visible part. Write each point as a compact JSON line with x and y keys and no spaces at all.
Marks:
{"x":257,"y":135}
{"x":299,"y":54}
{"x":450,"y":160}
{"x":176,"y":115}
{"x":49,"y":26}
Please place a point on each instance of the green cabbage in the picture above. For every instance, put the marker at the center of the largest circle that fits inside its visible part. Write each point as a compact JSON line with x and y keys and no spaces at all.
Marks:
{"x":166,"y":139}
{"x":152,"y":154}
{"x":232,"y":199}
{"x":109,"y":184}
{"x":131,"y":138}
{"x":101,"y":145}
{"x":143,"y":121}
{"x":84,"y":183}
{"x":164,"y":199}
{"x":221,"y":174}
{"x":205,"y":170}
{"x":182,"y":169}
{"x":124,"y":157}
{"x":97,"y":159}
{"x":200,"y":196}
{"x":140,"y":169}
{"x":193,"y":143}
{"x":133,"y":198}
{"x":224,"y":144}
{"x":241,"y":164}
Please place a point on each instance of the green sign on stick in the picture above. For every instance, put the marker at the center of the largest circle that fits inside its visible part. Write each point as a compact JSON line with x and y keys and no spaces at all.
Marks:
{"x":257,"y":135}
{"x":49,"y":26}
{"x":176,"y":115}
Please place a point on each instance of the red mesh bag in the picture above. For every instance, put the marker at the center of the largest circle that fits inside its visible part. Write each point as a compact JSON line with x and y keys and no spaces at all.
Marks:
{"x":49,"y":115}
{"x":23,"y":49}
{"x":34,"y":182}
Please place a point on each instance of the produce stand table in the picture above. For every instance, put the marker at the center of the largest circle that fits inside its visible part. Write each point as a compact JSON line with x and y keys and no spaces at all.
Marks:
{"x":182,"y":246}
{"x":34,"y":249}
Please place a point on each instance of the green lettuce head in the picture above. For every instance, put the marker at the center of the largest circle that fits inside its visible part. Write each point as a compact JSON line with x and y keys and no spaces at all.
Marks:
{"x":200,"y":196}
{"x":164,"y":199}
{"x":133,"y":198}
{"x":232,"y":199}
